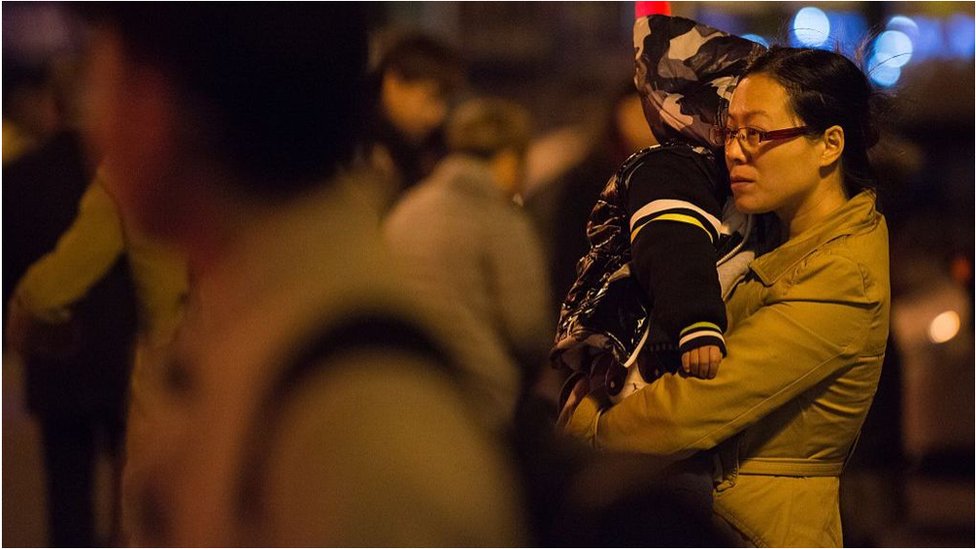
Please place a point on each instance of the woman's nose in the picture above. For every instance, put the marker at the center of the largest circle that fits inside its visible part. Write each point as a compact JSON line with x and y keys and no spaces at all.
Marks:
{"x":734,"y":153}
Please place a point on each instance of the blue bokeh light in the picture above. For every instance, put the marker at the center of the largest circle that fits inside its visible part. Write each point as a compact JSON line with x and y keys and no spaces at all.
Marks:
{"x":881,"y":73}
{"x":904,"y":24}
{"x":929,"y":41}
{"x":847,"y":30}
{"x":959,"y":33}
{"x":893,"y":48}
{"x":719,"y":19}
{"x":811,"y":28}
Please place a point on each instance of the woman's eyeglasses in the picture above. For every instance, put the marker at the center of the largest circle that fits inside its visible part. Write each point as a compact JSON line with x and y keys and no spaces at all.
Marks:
{"x":750,"y":138}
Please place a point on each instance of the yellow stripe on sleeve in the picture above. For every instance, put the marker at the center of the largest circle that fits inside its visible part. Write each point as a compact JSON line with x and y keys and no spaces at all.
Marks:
{"x":681,"y":218}
{"x":697,"y":325}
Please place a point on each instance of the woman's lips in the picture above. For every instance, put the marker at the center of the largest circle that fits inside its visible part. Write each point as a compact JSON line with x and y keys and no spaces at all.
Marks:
{"x":738,"y":183}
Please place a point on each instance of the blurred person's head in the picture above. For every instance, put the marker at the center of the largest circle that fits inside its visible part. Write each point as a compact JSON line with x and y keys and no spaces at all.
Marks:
{"x":629,"y":131}
{"x":822,"y":102}
{"x":30,"y":99}
{"x":497,"y":131}
{"x":198,"y":103}
{"x":418,"y":76}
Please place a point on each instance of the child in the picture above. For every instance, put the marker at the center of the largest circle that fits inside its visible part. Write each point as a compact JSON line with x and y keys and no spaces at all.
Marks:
{"x":647,"y":292}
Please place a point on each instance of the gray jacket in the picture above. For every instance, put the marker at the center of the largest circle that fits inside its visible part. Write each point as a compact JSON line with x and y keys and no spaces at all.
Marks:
{"x":474,"y":256}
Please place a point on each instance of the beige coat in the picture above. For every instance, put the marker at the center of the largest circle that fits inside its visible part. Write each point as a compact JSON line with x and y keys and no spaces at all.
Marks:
{"x":807,"y":333}
{"x":376,"y":449}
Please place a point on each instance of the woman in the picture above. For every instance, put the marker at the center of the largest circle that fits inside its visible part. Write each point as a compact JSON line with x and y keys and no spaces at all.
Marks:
{"x":807,"y":323}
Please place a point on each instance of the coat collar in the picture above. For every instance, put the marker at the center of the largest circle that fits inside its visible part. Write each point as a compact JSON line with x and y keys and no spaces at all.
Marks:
{"x":856,"y":216}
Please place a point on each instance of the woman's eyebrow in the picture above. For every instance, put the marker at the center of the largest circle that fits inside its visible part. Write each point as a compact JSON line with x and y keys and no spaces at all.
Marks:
{"x":749,"y":114}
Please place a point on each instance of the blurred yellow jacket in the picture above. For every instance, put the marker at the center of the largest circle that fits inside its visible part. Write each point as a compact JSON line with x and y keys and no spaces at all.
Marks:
{"x":83,"y":255}
{"x":807,"y":332}
{"x":86,"y":252}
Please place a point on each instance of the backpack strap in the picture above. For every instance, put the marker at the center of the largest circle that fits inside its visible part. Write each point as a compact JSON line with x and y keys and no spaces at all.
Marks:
{"x":364,"y":331}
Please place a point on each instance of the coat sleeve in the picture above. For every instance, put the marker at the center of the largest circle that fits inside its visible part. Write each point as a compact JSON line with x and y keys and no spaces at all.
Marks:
{"x":810,"y":328}
{"x":674,"y":226}
{"x":82,"y":256}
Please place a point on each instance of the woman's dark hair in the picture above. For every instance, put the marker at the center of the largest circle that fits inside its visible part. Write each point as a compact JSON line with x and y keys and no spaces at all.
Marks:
{"x":417,"y":56}
{"x":827,"y":89}
{"x":276,"y":88}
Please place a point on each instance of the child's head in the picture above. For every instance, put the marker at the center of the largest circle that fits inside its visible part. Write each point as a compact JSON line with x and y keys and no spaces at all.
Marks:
{"x":686,"y":72}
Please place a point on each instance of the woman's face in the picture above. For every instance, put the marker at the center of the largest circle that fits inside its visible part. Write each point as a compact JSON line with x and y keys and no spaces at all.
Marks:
{"x":776,"y":175}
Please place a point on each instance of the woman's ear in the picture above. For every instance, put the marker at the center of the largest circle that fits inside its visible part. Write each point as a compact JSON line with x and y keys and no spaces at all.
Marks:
{"x":833,"y":140}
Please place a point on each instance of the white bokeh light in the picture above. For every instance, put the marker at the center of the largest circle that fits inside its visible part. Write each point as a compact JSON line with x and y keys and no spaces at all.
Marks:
{"x":893,"y":47}
{"x":944,"y":327}
{"x":904,"y":24}
{"x":883,"y":74}
{"x":811,"y":27}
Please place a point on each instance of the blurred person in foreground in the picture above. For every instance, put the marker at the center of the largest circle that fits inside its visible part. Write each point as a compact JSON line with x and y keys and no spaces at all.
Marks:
{"x":416,"y":79}
{"x":473,"y":252}
{"x":307,"y":403}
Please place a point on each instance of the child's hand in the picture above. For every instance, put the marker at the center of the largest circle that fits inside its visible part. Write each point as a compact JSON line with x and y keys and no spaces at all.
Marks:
{"x":702,"y":362}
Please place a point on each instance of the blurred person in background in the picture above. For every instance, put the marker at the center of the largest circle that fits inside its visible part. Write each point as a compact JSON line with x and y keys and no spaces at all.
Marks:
{"x":34,"y":116}
{"x":416,"y":79}
{"x":307,"y":402}
{"x":561,"y":208}
{"x":76,"y":362}
{"x":89,"y":288}
{"x":473,"y":252}
{"x":32,"y":107}
{"x":58,"y":284}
